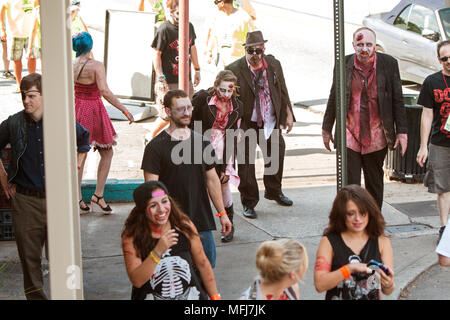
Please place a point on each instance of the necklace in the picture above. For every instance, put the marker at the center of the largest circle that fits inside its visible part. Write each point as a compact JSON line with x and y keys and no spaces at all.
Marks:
{"x":443,"y":76}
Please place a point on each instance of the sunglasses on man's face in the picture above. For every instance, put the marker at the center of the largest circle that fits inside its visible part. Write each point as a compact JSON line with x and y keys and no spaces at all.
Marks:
{"x":444,"y":59}
{"x":253,"y":51}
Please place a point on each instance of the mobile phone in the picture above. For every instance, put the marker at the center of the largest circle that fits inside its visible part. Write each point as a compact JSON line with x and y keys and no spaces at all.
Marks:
{"x":379,"y":265}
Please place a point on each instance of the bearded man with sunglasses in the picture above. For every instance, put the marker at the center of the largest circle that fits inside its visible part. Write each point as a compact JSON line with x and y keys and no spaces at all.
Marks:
{"x":267,"y":109}
{"x":376,"y":117}
{"x":435,"y":98}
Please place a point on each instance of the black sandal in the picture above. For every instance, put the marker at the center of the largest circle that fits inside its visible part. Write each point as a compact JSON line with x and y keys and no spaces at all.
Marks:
{"x":105,"y":210}
{"x":86,"y":209}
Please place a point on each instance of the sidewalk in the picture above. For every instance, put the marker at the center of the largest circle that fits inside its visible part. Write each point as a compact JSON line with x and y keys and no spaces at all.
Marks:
{"x":308,"y":180}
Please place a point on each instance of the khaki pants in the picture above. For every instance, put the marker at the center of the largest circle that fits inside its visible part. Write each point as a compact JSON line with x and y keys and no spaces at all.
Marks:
{"x":30,"y":231}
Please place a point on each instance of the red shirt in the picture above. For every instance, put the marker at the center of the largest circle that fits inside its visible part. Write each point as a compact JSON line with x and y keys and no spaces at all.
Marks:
{"x":377,"y":137}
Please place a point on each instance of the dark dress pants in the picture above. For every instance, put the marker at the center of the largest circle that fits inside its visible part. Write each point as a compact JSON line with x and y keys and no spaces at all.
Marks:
{"x":372,"y":166}
{"x":273,"y":171}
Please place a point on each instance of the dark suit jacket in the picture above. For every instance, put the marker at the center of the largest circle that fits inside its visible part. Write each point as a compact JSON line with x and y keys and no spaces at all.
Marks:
{"x":390,"y":97}
{"x":207,"y":115}
{"x":277,"y":86}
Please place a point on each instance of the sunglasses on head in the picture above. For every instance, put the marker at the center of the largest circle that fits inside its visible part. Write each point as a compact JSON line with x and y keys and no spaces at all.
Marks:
{"x":253,"y":51}
{"x":444,"y":59}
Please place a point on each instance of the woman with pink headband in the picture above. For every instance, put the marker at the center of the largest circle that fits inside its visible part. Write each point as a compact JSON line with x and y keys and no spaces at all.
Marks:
{"x":162,"y":250}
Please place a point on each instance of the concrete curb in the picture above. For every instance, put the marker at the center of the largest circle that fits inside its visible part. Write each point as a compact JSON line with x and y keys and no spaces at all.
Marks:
{"x":410,"y":273}
{"x":115,"y":190}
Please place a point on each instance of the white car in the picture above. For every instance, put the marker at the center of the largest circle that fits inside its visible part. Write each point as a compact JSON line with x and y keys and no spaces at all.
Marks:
{"x":410,"y":33}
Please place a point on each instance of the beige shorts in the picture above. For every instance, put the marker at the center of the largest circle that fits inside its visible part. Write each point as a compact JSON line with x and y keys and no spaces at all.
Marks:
{"x":17,"y":45}
{"x":437,"y":178}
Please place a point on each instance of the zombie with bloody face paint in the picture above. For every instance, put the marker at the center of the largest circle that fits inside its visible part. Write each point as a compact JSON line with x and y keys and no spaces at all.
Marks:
{"x":267,"y":110}
{"x":162,"y":248}
{"x":376,"y":118}
{"x":217,"y":110}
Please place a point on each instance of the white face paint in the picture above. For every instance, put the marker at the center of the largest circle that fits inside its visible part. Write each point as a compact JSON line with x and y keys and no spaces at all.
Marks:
{"x":364,"y":45}
{"x":225,"y":90}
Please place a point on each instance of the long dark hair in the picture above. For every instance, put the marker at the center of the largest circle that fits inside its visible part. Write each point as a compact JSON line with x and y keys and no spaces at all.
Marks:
{"x":365,"y":203}
{"x":137,"y":226}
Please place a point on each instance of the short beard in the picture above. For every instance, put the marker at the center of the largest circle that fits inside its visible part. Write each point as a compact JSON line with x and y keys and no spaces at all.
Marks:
{"x":179,"y":124}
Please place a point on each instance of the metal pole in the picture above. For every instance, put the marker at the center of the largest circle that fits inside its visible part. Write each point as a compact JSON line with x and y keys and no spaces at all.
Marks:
{"x":183,"y":55}
{"x":341,"y":110}
{"x":61,"y":183}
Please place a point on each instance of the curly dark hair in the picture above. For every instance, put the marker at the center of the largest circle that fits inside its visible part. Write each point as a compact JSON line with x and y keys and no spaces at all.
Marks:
{"x":365,"y":203}
{"x":137,"y":226}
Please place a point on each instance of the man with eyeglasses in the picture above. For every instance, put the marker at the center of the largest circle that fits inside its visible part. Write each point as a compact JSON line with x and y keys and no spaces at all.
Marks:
{"x":25,"y":181}
{"x":267,"y":109}
{"x":435,"y":98}
{"x":376,"y":117}
{"x":185,"y":162}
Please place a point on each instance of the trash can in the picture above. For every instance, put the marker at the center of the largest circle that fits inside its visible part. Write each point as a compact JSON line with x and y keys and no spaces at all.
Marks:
{"x":406,"y":168}
{"x":6,"y":225}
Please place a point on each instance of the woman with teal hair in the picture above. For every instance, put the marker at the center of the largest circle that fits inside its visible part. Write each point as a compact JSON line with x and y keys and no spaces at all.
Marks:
{"x":90,"y":87}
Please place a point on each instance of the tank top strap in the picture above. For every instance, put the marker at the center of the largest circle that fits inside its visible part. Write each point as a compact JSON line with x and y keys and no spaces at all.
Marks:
{"x":81,"y":70}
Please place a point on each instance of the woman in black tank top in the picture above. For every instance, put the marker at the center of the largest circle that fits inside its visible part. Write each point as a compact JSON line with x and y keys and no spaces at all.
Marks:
{"x":354,"y":237}
{"x":163,"y":253}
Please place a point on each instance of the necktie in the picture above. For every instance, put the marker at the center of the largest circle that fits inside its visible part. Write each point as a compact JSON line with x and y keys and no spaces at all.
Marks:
{"x":259,"y":85}
{"x":364,"y":124}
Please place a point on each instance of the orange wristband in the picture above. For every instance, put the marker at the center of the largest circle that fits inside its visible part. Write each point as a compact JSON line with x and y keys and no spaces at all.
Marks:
{"x":345,"y":272}
{"x":216,"y":297}
{"x":221,"y":214}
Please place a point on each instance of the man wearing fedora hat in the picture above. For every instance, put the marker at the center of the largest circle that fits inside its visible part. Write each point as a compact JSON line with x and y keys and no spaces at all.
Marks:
{"x":267,"y":109}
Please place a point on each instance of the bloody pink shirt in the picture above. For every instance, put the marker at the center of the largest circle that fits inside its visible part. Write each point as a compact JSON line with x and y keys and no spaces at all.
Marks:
{"x":377,"y":137}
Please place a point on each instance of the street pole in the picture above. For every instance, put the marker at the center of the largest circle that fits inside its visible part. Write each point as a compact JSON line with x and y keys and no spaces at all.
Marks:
{"x":341,"y":110}
{"x":183,"y":54}
{"x":63,"y":219}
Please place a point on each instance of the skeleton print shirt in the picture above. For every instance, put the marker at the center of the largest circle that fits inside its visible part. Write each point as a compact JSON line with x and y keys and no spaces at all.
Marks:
{"x":175,"y":277}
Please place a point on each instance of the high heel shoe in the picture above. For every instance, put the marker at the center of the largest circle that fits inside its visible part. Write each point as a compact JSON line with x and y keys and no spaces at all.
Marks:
{"x":86,"y":208}
{"x":105,"y":210}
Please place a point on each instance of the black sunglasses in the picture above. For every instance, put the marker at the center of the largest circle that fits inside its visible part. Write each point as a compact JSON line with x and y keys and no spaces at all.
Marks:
{"x":444,"y":59}
{"x":253,"y":51}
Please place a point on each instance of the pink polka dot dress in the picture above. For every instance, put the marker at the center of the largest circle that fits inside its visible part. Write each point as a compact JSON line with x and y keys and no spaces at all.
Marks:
{"x":91,"y":114}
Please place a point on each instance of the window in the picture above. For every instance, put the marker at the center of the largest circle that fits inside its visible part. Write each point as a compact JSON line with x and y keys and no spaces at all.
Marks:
{"x":402,"y":18}
{"x":421,"y":19}
{"x":445,"y":19}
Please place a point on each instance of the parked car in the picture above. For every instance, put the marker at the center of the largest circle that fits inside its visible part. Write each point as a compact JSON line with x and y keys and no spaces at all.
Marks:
{"x":410,"y":33}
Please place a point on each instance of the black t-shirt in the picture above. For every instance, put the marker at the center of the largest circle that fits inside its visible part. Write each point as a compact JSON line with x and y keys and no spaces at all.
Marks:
{"x":436,"y":95}
{"x":181,"y":165}
{"x":166,"y":41}
{"x":175,"y":277}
